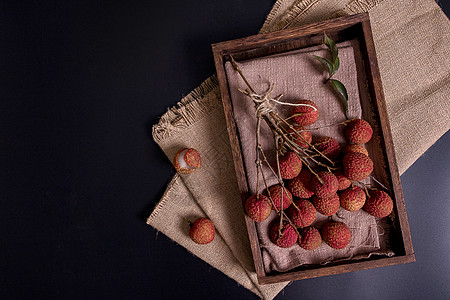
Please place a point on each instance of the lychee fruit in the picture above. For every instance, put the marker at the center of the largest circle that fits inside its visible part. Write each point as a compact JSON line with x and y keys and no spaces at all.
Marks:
{"x":328,"y":187}
{"x":300,"y":185}
{"x":300,"y":136}
{"x":344,"y":182}
{"x":355,"y":148}
{"x":352,"y":198}
{"x":328,"y":146}
{"x":284,"y":238}
{"x":310,"y":238}
{"x":302,"y":214}
{"x":258,"y":207}
{"x":357,"y":166}
{"x":305,"y":115}
{"x":202,"y":231}
{"x":336,"y":234}
{"x":187,"y":160}
{"x":275,"y":194}
{"x":358,"y":131}
{"x":290,"y":165}
{"x":327,"y":206}
{"x":379,"y":204}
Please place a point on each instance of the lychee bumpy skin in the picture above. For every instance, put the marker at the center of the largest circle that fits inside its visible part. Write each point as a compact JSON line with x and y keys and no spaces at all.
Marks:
{"x":202,"y":231}
{"x":328,"y":146}
{"x":275,"y":194}
{"x":357,"y":166}
{"x":305,"y":115}
{"x":300,"y":186}
{"x":287,"y":238}
{"x":327,"y":206}
{"x":310,"y":238}
{"x":302,"y":214}
{"x":290,"y":165}
{"x":358,"y":131}
{"x":352,"y":198}
{"x":379,"y":204}
{"x":355,"y":148}
{"x":336,"y":234}
{"x":187,"y":160}
{"x":328,"y":187}
{"x":258,"y":207}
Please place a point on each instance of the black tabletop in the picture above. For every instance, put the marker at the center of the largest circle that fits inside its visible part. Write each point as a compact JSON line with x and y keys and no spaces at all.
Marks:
{"x":82,"y":82}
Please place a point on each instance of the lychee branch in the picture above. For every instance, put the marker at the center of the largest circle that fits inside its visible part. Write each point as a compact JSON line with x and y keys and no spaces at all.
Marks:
{"x":281,"y":212}
{"x":365,"y":188}
{"x":258,"y":160}
{"x":382,"y":185}
{"x":276,"y":132}
{"x":264,"y":110}
{"x":282,"y":185}
{"x":304,"y":140}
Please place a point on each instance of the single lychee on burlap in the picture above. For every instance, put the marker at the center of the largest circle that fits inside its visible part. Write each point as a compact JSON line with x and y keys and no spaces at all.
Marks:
{"x":202,"y":231}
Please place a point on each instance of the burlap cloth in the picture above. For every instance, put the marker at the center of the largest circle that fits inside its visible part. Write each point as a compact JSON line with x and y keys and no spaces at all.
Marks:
{"x":411,"y":39}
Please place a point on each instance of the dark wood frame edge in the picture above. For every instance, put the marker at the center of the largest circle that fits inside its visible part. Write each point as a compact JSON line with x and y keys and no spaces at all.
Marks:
{"x":220,"y":50}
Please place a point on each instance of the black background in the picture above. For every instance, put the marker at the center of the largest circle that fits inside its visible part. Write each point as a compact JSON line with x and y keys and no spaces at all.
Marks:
{"x":81,"y":84}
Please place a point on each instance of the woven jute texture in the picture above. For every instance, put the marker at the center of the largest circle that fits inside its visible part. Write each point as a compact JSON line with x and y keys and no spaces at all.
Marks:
{"x":410,"y":39}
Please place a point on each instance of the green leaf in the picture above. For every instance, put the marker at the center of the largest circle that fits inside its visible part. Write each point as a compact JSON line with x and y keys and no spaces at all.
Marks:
{"x":332,"y":46}
{"x":336,"y":64}
{"x":342,"y":91}
{"x":326,"y":63}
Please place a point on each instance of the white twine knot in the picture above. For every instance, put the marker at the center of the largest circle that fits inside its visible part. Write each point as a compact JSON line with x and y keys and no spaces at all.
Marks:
{"x":263,"y":101}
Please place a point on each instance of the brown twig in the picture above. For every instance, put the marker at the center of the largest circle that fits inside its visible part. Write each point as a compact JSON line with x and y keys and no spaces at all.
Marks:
{"x":309,"y":144}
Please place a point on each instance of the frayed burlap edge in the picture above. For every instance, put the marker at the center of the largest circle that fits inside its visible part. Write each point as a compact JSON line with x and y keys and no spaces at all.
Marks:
{"x":298,"y":9}
{"x":163,"y":200}
{"x":190,"y":109}
{"x":356,"y":7}
{"x":273,"y":12}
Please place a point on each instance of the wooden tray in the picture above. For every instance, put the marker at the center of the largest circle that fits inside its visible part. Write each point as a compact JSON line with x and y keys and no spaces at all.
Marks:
{"x":340,"y":29}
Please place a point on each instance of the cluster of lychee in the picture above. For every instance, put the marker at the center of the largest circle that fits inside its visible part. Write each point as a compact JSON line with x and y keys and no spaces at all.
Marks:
{"x":303,"y":192}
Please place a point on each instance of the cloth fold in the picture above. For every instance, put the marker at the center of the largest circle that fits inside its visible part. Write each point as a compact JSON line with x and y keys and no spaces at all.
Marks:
{"x":410,"y":39}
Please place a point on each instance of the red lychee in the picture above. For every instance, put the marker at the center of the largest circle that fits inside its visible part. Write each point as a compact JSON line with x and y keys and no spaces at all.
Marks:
{"x":336,"y":234}
{"x":202,"y":231}
{"x":300,"y":186}
{"x":310,"y":238}
{"x":305,"y":115}
{"x":187,"y":160}
{"x":300,"y":136}
{"x":358,"y":131}
{"x":326,"y":206}
{"x":352,"y":198}
{"x":357,"y":166}
{"x":355,"y":148}
{"x":258,"y":208}
{"x":379,"y":204}
{"x":328,"y":146}
{"x":328,"y":187}
{"x":287,"y":238}
{"x":302,"y":214}
{"x":290,"y":165}
{"x":275,"y":194}
{"x":344,"y":182}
